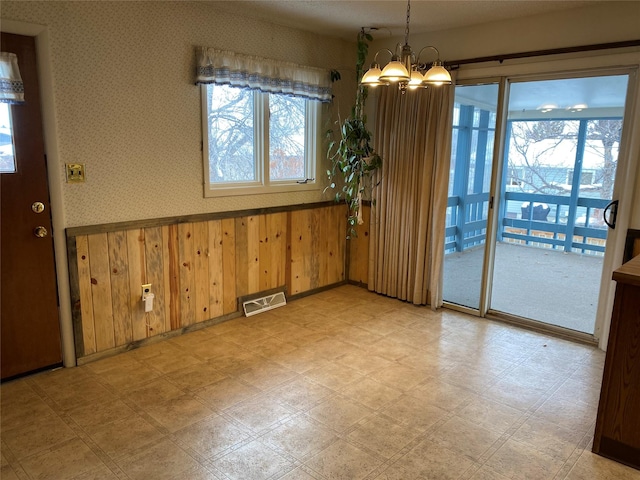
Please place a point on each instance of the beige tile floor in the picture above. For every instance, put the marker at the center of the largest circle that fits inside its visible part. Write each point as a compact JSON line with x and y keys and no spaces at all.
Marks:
{"x":344,"y":384}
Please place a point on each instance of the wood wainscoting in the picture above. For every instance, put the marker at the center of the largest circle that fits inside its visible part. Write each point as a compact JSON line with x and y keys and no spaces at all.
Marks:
{"x":198,"y":267}
{"x":358,"y":266}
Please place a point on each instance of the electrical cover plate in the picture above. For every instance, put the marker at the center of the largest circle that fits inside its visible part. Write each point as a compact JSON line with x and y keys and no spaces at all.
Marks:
{"x":75,"y":172}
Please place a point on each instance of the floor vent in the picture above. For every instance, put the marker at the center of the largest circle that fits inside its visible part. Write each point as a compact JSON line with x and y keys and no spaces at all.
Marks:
{"x":262,"y":304}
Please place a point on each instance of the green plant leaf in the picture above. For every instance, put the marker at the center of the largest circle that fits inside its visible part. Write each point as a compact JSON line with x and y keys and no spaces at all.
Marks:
{"x":347,"y":154}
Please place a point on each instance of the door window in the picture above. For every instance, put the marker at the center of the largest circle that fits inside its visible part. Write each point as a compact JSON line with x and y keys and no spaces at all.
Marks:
{"x":7,"y":157}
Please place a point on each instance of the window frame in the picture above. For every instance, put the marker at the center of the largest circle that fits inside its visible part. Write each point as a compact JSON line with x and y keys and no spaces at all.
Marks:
{"x":263,"y":184}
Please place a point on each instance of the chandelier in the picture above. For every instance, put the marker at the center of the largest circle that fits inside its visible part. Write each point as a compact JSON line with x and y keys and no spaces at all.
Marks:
{"x":405,"y":68}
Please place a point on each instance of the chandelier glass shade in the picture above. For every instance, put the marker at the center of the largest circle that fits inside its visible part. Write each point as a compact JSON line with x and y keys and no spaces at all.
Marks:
{"x":405,"y":69}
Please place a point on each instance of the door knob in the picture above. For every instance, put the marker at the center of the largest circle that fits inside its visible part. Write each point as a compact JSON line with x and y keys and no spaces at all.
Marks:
{"x":40,"y":231}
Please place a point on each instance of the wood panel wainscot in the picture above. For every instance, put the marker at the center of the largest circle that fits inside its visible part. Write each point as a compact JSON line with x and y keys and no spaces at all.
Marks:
{"x":198,"y":266}
{"x":358,"y":246}
{"x":617,"y":433}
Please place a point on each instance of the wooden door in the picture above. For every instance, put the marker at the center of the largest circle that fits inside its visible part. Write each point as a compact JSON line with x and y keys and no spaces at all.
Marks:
{"x":29,"y":323}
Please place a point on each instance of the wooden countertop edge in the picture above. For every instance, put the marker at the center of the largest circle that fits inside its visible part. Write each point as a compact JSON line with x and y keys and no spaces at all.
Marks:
{"x":629,"y":273}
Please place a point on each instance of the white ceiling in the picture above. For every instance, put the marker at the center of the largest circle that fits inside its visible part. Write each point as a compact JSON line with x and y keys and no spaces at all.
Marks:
{"x":603,"y":96}
{"x":344,"y":19}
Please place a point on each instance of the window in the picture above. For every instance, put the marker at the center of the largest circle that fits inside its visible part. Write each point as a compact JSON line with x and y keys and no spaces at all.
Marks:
{"x":7,"y":159}
{"x":515,"y":176}
{"x":586,"y":177}
{"x":258,"y":142}
{"x":261,"y":120}
{"x":11,"y":92}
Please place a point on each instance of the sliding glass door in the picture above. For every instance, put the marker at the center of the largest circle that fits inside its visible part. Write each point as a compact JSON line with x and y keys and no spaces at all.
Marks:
{"x":561,"y":150}
{"x":474,"y":126}
{"x":560,"y":140}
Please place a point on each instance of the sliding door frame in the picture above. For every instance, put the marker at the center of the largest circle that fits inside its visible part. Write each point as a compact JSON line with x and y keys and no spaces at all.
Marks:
{"x":495,"y":193}
{"x":624,"y":181}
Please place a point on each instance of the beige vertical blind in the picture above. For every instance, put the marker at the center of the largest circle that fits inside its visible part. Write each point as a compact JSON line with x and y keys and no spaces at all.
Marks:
{"x":413,"y":136}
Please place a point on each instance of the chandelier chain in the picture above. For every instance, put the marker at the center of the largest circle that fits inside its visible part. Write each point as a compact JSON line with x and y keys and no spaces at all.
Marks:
{"x":406,"y":31}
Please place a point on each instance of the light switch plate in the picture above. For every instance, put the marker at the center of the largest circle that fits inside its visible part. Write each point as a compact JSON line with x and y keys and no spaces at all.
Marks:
{"x":75,"y":172}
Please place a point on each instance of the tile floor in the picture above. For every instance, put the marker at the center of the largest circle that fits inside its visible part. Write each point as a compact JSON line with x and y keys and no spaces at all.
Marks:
{"x":340,"y":385}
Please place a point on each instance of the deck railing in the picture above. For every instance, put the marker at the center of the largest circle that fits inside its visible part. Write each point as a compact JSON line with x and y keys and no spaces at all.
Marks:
{"x":466,"y":222}
{"x":571,"y":225}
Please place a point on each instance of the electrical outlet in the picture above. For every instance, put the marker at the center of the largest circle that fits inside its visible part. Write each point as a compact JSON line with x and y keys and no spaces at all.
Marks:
{"x":146,"y":289}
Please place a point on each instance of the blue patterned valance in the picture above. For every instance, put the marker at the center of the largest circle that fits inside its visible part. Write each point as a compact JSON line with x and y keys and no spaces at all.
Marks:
{"x":11,"y":86}
{"x":271,"y":76}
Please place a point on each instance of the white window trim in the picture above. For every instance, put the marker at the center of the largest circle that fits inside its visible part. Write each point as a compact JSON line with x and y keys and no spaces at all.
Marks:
{"x":264,"y":185}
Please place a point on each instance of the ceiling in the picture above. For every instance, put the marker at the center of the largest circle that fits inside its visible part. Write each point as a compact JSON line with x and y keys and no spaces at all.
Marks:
{"x":343,"y":19}
{"x":585,"y":97}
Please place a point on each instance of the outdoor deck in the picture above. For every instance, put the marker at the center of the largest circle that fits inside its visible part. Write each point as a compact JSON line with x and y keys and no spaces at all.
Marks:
{"x":538,"y":283}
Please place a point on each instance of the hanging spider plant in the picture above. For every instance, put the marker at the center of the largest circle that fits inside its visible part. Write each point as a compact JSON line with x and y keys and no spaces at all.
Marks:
{"x":352,"y":157}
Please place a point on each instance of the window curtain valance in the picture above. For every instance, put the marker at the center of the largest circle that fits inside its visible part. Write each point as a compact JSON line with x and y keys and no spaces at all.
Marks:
{"x":11,"y":86}
{"x":266,"y":75}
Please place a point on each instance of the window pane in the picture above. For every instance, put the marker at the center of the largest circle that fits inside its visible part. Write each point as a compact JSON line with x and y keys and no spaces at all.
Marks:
{"x":468,"y":198}
{"x":286,"y":137}
{"x":560,"y":148}
{"x":7,"y":159}
{"x":542,"y":154}
{"x":601,"y":155}
{"x":230,"y":124}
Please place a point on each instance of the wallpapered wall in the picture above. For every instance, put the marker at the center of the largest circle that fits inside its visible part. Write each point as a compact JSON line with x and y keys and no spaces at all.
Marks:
{"x":127,"y":106}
